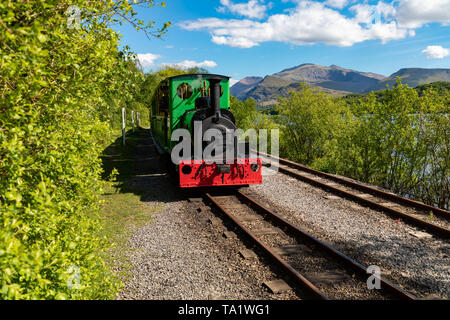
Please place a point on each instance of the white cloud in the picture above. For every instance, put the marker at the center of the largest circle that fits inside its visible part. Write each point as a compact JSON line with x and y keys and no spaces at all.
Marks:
{"x":372,"y":14}
{"x":240,"y":42}
{"x":415,"y":13}
{"x":252,"y":9}
{"x":147,"y":60}
{"x":313,"y":22}
{"x":186,"y":64}
{"x":310,"y":22}
{"x":339,"y":4}
{"x":436,"y":52}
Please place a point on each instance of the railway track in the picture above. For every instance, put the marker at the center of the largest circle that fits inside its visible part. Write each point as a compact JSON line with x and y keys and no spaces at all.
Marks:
{"x":321,"y":270}
{"x":410,"y":211}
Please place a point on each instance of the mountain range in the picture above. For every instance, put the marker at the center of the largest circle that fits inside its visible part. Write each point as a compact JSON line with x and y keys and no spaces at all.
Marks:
{"x":333,"y":80}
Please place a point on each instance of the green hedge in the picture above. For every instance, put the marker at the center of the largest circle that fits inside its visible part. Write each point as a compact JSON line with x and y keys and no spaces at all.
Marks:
{"x":58,"y":88}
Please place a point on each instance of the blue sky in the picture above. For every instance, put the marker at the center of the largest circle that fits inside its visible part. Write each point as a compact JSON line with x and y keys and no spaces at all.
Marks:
{"x":242,"y":38}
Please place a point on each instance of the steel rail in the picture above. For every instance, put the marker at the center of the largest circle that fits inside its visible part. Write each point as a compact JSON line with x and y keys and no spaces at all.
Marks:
{"x":353,"y":264}
{"x":433,"y":228}
{"x":299,"y":278}
{"x":383,"y":194}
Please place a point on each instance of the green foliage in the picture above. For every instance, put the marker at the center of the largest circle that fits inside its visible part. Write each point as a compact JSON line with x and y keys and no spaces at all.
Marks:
{"x":310,"y":120}
{"x":441,"y":87}
{"x":400,"y":144}
{"x":125,"y":81}
{"x":58,"y":87}
{"x":248,"y":117}
{"x":244,"y":112}
{"x":398,"y":140}
{"x":433,"y":140}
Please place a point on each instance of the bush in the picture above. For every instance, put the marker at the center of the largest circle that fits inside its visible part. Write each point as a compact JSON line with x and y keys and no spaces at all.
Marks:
{"x":310,"y":121}
{"x":397,"y":139}
{"x":57,"y":86}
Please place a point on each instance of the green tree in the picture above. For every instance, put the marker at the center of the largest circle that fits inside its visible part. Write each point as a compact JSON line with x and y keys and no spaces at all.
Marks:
{"x":399,"y":142}
{"x":309,"y":121}
{"x":57,"y":83}
{"x":433,"y":171}
{"x":244,"y":112}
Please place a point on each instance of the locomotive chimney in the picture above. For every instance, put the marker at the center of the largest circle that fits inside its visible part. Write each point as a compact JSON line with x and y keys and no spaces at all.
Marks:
{"x":214,"y":85}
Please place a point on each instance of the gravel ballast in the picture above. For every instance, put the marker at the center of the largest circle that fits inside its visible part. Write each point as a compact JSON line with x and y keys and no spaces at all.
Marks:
{"x":182,"y":255}
{"x":419,"y":265}
{"x":186,"y":253}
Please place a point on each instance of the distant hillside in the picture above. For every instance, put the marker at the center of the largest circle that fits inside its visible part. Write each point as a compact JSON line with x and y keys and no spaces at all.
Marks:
{"x":413,"y":77}
{"x":242,"y":87}
{"x":333,"y":80}
{"x":267,"y":91}
{"x":332,"y":77}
